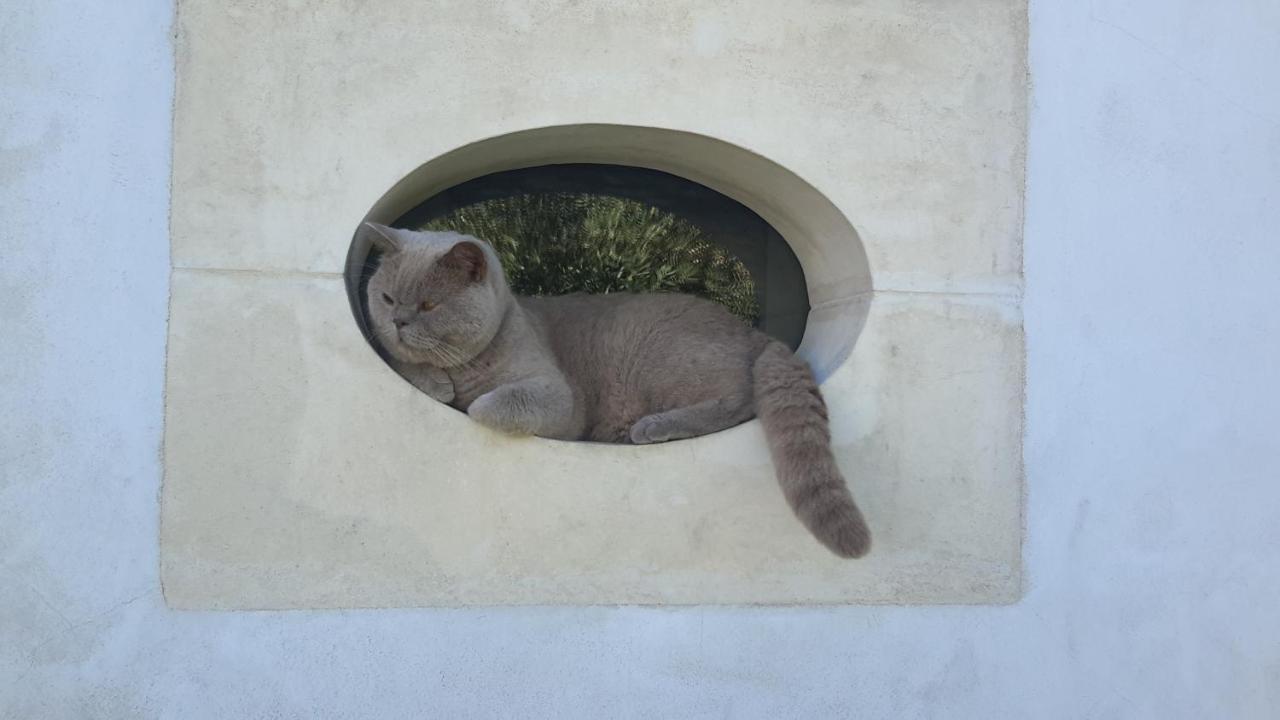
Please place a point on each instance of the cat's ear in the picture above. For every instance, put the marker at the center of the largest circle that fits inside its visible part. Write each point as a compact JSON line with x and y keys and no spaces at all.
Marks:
{"x":382,"y":237}
{"x":469,"y":258}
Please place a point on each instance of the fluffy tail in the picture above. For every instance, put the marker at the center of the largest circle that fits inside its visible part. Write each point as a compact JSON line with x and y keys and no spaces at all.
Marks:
{"x":795,"y":423}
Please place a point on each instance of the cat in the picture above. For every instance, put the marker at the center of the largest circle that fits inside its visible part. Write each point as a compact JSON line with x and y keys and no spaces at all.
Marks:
{"x":619,"y":368}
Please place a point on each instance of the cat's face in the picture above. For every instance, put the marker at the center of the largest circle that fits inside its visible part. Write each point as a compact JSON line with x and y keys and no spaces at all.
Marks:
{"x":436,"y":298}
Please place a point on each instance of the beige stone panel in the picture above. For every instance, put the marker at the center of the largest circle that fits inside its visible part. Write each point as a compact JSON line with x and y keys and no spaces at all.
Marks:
{"x":301,"y":472}
{"x":292,"y":118}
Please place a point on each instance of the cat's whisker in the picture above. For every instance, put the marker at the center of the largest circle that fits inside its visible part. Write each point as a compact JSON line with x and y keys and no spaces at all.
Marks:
{"x":452,"y":355}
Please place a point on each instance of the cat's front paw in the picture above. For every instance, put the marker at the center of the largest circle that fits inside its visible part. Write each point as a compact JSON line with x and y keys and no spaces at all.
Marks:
{"x":496,"y":411}
{"x":431,"y":380}
{"x":651,"y":429}
{"x":438,"y":385}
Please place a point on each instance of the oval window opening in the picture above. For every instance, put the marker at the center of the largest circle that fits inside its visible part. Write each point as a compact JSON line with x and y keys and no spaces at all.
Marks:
{"x":606,"y":208}
{"x":599,"y":228}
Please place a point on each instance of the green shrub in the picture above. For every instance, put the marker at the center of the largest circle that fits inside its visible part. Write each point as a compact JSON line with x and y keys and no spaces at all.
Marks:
{"x":556,"y":243}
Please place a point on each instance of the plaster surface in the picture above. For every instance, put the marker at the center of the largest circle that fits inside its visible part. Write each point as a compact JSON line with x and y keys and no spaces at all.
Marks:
{"x":300,"y":473}
{"x":294,"y":118}
{"x":1151,"y":408}
{"x":279,"y":518}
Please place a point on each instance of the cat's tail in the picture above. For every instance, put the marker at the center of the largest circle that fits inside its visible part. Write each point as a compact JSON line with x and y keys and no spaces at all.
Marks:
{"x":795,"y":423}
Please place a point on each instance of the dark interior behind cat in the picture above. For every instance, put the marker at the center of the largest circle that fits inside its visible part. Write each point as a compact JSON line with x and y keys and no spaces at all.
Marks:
{"x":620,"y":368}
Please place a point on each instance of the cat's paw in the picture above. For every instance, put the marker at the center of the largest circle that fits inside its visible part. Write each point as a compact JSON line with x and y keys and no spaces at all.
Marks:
{"x":435,"y":383}
{"x":495,"y":411}
{"x":441,"y":385}
{"x":651,"y":429}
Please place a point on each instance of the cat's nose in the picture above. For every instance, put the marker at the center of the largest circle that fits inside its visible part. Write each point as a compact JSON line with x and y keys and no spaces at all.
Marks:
{"x":400,"y":322}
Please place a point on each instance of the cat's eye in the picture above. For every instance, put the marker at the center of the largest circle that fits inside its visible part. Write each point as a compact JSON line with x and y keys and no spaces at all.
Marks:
{"x":387,"y":299}
{"x":427,"y":306}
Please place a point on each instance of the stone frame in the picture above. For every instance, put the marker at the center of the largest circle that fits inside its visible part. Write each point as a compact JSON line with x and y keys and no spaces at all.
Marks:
{"x":300,"y":472}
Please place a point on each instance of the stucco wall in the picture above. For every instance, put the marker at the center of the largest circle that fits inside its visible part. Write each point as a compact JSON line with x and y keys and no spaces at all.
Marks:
{"x":1151,"y":407}
{"x":883,"y":141}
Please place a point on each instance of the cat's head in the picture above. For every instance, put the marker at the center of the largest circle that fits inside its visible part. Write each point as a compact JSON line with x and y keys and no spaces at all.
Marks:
{"x":437,"y":297}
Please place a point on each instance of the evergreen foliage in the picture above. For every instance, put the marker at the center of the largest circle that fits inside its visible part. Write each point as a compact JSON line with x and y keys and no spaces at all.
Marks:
{"x":559,"y":243}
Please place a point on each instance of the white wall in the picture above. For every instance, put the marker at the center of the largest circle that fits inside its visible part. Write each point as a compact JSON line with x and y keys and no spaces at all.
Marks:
{"x":1151,"y":260}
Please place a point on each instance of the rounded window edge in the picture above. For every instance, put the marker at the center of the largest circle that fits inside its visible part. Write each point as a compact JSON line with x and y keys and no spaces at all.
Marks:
{"x":829,"y":250}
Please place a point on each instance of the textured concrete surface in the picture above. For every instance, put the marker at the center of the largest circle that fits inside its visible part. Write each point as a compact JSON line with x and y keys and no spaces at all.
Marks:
{"x":283,"y":504}
{"x":1151,"y":408}
{"x":298,"y":474}
{"x":300,"y":115}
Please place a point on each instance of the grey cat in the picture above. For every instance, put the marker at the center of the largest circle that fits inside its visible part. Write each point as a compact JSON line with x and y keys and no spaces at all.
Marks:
{"x":619,"y":368}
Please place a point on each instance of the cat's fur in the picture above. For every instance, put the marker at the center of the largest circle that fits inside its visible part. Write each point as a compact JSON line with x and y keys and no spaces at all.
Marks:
{"x":621,"y":368}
